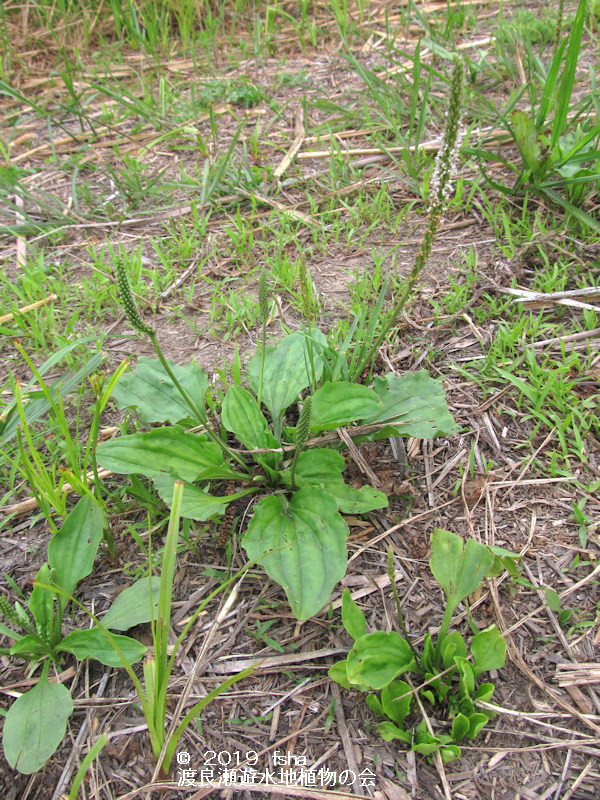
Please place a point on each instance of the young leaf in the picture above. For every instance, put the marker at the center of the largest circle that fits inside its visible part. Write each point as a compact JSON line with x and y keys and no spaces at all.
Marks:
{"x":552,"y":599}
{"x":450,"y":752}
{"x":412,"y":405}
{"x":426,"y":748}
{"x":488,"y":649}
{"x":374,"y":704}
{"x":352,"y":616}
{"x":150,"y":390}
{"x":477,"y":722}
{"x":28,"y":647}
{"x":526,"y":137}
{"x":377,"y":658}
{"x":467,"y":677}
{"x":459,"y":572}
{"x":484,"y":692}
{"x":134,"y":605}
{"x":428,"y":659}
{"x":35,"y":725}
{"x":452,"y":645}
{"x":165,"y":450}
{"x":242,"y":416}
{"x":388,"y":732}
{"x":309,"y":537}
{"x":337,"y":404}
{"x":396,"y":699}
{"x":460,"y":727}
{"x":72,"y":550}
{"x":337,"y":672}
{"x":41,"y":603}
{"x":92,"y":643}
{"x":287,"y":371}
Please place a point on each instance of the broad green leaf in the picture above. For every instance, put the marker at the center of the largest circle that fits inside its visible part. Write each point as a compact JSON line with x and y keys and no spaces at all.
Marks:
{"x":353,"y":616}
{"x":355,"y":501}
{"x":134,"y":605}
{"x":337,"y":404}
{"x":324,"y":468}
{"x":287,"y":371}
{"x":396,"y":699}
{"x":92,"y":643}
{"x":41,"y":602}
{"x":165,"y":450}
{"x":412,"y":405}
{"x":35,"y":725}
{"x":377,"y":658}
{"x":197,"y":504}
{"x":452,"y":645}
{"x":458,"y":570}
{"x":388,"y":732}
{"x":72,"y":550}
{"x":319,"y":465}
{"x":150,"y":390}
{"x":309,"y":537}
{"x":488,"y":649}
{"x":460,"y":727}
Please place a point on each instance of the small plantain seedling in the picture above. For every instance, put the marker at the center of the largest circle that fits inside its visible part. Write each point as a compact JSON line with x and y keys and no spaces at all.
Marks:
{"x":446,"y":671}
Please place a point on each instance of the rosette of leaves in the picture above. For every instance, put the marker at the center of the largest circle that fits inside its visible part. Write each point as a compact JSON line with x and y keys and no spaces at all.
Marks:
{"x":297,"y":530}
{"x":447,"y":669}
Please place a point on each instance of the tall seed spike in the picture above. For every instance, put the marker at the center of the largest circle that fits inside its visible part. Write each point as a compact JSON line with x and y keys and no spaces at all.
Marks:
{"x":9,"y":613}
{"x":127,"y":301}
{"x":303,"y":427}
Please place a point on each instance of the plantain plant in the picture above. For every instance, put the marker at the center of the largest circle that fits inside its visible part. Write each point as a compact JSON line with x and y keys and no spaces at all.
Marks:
{"x":446,"y":669}
{"x":36,"y":722}
{"x":295,"y":471}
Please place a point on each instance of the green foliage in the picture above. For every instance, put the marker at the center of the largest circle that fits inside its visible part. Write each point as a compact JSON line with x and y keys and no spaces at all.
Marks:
{"x":153,"y":398}
{"x":303,"y":550}
{"x":558,"y":159}
{"x":40,"y":714}
{"x":241,"y":93}
{"x":36,"y":724}
{"x":445,"y":671}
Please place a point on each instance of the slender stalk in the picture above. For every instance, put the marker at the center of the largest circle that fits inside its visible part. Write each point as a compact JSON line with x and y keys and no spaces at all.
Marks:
{"x":440,"y":191}
{"x":447,"y":618}
{"x":392,"y":576}
{"x":135,"y":319}
{"x":263,"y":304}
